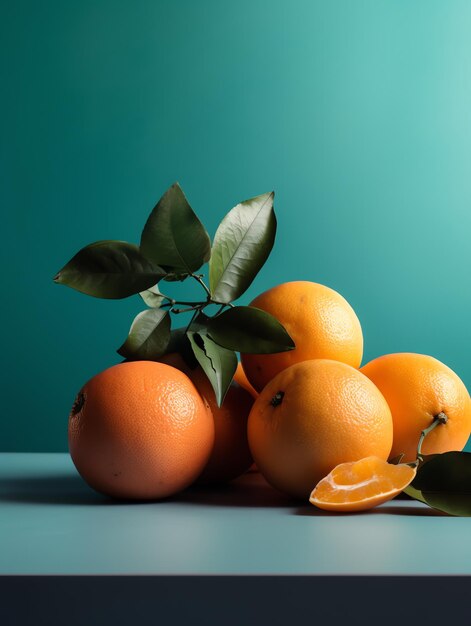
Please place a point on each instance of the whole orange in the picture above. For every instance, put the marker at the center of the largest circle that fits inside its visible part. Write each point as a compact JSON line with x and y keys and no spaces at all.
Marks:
{"x":418,"y":387}
{"x":230,"y":455}
{"x":140,"y":430}
{"x":313,"y":416}
{"x":319,"y":320}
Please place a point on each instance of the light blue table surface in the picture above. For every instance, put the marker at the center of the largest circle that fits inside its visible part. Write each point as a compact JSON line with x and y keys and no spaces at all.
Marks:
{"x":51,"y":522}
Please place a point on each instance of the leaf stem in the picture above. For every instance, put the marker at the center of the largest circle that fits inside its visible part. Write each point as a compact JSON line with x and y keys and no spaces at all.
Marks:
{"x":171,"y":301}
{"x":197,"y":307}
{"x":440,"y":418}
{"x":192,"y":304}
{"x":199,"y":278}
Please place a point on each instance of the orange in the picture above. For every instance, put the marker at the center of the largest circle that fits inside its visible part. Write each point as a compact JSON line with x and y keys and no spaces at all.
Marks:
{"x":230,"y":455}
{"x":418,"y":387}
{"x":241,"y":378}
{"x":140,"y":430}
{"x":319,"y":320}
{"x":313,"y":416}
{"x":361,"y":485}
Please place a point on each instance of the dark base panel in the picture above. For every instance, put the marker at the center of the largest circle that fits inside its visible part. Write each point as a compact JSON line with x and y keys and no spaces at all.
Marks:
{"x":232,"y":600}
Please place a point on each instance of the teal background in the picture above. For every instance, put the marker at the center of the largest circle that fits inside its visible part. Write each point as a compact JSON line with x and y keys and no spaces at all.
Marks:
{"x":358,"y":115}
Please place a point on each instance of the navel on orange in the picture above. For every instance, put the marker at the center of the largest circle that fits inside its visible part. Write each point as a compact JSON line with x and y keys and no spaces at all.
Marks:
{"x":361,"y":485}
{"x":320,"y":321}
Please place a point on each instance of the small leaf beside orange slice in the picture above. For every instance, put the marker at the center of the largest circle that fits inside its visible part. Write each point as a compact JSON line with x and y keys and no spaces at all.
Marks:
{"x":361,"y":485}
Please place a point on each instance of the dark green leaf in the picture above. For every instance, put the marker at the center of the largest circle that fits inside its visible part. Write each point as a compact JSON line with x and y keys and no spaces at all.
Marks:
{"x":250,"y":330}
{"x":174,"y":278}
{"x":200,"y":323}
{"x":443,"y":481}
{"x":218,"y":363}
{"x":425,"y":458}
{"x":109,"y":269}
{"x":241,"y":246}
{"x":414,"y":493}
{"x":152,"y":297}
{"x":177,"y":337}
{"x":148,"y":337}
{"x":457,"y":504}
{"x":179,"y":342}
{"x":173,"y":236}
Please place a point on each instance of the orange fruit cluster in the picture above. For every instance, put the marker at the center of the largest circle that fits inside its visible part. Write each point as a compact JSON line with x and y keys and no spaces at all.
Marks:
{"x":317,"y":425}
{"x":318,"y":410}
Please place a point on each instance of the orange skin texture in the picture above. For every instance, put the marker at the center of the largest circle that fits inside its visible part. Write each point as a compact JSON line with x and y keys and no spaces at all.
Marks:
{"x":240,"y":377}
{"x":230,"y":455}
{"x":330,"y":413}
{"x":417,"y":387}
{"x":320,"y":321}
{"x":361,"y":485}
{"x":143,"y":432}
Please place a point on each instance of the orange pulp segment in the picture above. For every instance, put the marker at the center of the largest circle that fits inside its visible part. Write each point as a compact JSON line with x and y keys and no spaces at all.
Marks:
{"x":361,"y":485}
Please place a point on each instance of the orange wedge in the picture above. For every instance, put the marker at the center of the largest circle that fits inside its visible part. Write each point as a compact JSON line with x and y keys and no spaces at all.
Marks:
{"x":361,"y":485}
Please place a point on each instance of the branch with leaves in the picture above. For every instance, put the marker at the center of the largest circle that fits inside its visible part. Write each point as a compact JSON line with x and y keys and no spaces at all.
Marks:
{"x":174,"y":246}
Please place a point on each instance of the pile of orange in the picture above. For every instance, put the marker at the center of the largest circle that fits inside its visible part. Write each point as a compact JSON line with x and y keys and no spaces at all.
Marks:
{"x":318,"y":415}
{"x":317,"y":425}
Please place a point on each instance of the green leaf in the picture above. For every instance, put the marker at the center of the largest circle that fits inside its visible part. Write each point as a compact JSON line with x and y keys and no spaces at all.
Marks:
{"x":443,"y":481}
{"x":148,"y":337}
{"x":109,"y":269}
{"x":177,"y":338}
{"x":414,"y":493}
{"x":171,"y":277}
{"x":152,"y":297}
{"x":250,"y":330}
{"x":200,"y":323}
{"x":218,"y":363}
{"x":179,"y":342}
{"x":173,"y":236}
{"x":242,"y":243}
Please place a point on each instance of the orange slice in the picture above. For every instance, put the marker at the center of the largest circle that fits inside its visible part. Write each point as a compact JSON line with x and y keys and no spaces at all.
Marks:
{"x":361,"y":485}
